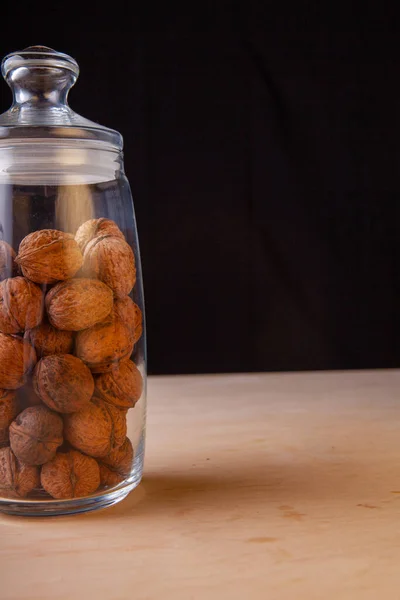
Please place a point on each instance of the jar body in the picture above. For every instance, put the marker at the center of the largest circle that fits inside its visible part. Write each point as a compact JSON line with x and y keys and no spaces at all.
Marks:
{"x":72,"y":332}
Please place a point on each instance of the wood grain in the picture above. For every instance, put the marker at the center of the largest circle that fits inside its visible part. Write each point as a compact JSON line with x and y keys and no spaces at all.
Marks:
{"x":257,"y":486}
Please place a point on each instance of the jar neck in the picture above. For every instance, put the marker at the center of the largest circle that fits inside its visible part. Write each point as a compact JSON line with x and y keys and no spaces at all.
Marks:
{"x":40,"y":88}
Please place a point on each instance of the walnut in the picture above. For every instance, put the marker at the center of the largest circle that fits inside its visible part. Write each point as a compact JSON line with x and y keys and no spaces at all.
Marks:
{"x":7,"y":261}
{"x":111,"y":260}
{"x":95,"y":227}
{"x":8,"y":412}
{"x":17,"y":358}
{"x":101,"y":347}
{"x":16,"y":478}
{"x":78,"y":304}
{"x":63,"y":382}
{"x":35,"y":435}
{"x":130,"y":314}
{"x":70,"y":475}
{"x":96,"y":430}
{"x":21,"y":305}
{"x":48,"y":340}
{"x":121,"y":387}
{"x":48,"y":256}
{"x":116,"y":466}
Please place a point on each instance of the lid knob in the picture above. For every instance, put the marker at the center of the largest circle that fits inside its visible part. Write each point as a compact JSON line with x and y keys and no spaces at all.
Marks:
{"x":38,"y":56}
{"x":40,"y":79}
{"x":39,"y":75}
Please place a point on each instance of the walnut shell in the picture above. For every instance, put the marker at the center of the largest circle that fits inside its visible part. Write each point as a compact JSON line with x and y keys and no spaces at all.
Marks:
{"x":63,"y":382}
{"x":17,"y":358}
{"x":96,"y":430}
{"x":70,"y":475}
{"x":116,"y":466}
{"x":8,"y":412}
{"x":35,"y":435}
{"x":111,"y":260}
{"x":101,"y":347}
{"x":16,"y":478}
{"x":21,"y":305}
{"x":7,"y":261}
{"x":130,"y":314}
{"x":95,"y":227}
{"x":48,"y":340}
{"x":78,"y":304}
{"x":121,"y":387}
{"x":48,"y":256}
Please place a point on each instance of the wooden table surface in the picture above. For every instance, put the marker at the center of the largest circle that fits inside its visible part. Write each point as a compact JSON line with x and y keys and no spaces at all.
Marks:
{"x":256,"y":486}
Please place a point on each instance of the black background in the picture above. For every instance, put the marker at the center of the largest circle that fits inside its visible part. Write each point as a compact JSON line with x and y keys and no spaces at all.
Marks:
{"x":262,"y":151}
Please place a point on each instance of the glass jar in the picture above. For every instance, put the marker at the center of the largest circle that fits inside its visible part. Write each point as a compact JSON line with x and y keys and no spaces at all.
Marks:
{"x":72,"y":340}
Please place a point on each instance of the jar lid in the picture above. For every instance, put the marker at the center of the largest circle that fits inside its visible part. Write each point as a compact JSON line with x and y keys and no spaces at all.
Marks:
{"x":40,"y":79}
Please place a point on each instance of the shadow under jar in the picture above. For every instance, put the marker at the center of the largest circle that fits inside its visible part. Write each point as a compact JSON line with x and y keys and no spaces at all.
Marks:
{"x":72,"y":339}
